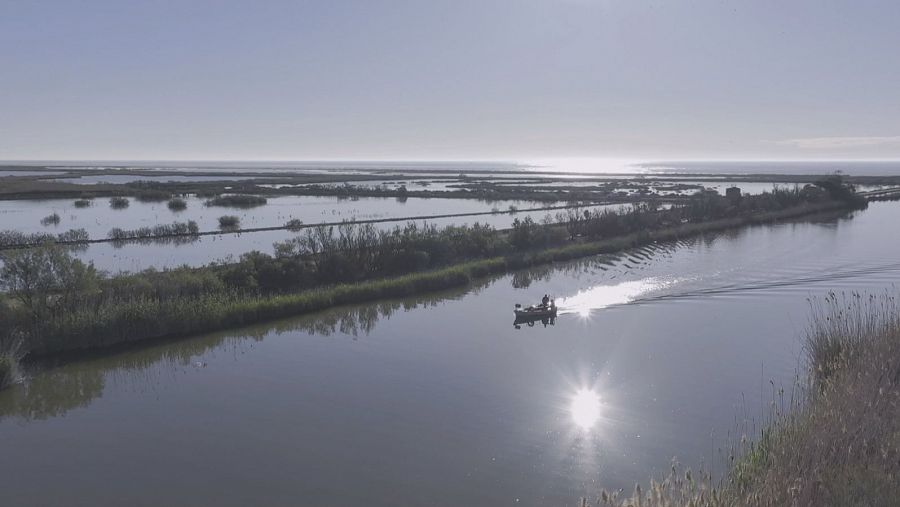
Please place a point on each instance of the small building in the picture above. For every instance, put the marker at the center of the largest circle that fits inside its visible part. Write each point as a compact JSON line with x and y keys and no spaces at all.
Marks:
{"x":733,"y":194}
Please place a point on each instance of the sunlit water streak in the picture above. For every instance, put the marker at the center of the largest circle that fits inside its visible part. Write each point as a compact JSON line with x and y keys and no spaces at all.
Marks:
{"x":603,"y":296}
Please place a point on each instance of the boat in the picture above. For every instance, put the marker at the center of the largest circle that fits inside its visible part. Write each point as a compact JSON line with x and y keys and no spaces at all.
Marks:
{"x":535,"y":312}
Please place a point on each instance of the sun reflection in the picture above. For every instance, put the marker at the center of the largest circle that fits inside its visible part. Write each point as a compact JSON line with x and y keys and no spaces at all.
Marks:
{"x":603,"y":296}
{"x":585,"y":408}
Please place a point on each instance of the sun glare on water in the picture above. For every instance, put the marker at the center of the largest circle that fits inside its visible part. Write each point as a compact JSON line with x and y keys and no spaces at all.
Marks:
{"x":585,"y":408}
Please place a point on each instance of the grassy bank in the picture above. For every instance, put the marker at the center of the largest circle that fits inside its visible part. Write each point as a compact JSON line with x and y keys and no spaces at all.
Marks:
{"x":837,"y":442}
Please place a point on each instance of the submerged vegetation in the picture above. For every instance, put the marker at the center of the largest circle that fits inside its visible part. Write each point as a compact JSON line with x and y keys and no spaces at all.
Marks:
{"x":118,"y":202}
{"x":51,"y":219}
{"x":837,"y":443}
{"x":229,"y":222}
{"x":177,"y":204}
{"x":158,"y":231}
{"x":237,"y":201}
{"x":15,"y":239}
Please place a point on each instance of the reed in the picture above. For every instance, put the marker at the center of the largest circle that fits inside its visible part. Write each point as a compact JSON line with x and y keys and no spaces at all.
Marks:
{"x":836,"y":440}
{"x":106,"y":323}
{"x":83,"y":203}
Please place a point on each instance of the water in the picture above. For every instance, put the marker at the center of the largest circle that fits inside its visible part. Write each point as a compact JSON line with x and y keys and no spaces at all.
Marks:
{"x":98,"y":219}
{"x":439,"y":399}
{"x":584,"y":166}
{"x":118,"y":179}
{"x":12,"y":173}
{"x":849,"y":167}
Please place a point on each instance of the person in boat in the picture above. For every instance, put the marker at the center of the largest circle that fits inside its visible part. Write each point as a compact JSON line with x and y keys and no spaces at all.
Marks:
{"x":545,"y":301}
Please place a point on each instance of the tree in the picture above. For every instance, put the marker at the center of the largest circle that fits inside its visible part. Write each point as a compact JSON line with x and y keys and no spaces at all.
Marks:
{"x":45,"y":278}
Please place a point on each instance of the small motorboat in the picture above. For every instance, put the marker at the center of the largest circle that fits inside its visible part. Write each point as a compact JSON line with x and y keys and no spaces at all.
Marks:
{"x":535,"y":312}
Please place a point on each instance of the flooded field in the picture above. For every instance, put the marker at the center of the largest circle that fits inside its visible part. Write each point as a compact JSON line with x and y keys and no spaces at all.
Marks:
{"x":98,"y":219}
{"x":657,"y":353}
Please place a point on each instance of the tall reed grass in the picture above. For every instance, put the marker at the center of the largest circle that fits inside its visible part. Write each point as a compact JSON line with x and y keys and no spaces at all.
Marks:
{"x":836,"y":443}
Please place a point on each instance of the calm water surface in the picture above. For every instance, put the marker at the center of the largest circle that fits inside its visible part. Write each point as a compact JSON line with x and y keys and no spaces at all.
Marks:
{"x":439,"y":400}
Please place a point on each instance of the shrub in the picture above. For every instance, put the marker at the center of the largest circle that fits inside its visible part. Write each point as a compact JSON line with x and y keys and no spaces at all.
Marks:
{"x":177,"y":204}
{"x":52,"y":219}
{"x":229,"y":222}
{"x":83,"y":203}
{"x":118,"y":202}
{"x":18,"y":238}
{"x":152,"y":195}
{"x":237,"y":201}
{"x":157,"y":231}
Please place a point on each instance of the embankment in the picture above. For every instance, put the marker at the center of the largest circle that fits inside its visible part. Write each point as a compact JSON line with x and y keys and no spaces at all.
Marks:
{"x":149,"y":318}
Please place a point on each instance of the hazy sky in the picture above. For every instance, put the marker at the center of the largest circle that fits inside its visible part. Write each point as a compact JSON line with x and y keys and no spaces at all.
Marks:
{"x":434,"y":79}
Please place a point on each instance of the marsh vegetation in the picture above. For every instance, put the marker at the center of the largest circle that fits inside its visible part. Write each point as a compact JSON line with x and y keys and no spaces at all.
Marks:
{"x":188,"y":228}
{"x":118,"y":202}
{"x":326,"y":265}
{"x":229,"y":222}
{"x":51,"y":219}
{"x":237,"y":201}
{"x":177,"y":204}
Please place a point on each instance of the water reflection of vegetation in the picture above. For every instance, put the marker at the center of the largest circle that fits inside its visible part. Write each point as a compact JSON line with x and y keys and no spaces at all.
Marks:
{"x":15,"y":239}
{"x":52,"y":394}
{"x":54,"y":387}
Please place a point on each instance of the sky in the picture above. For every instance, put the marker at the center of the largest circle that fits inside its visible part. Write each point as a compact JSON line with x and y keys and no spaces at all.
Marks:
{"x":448,"y":80}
